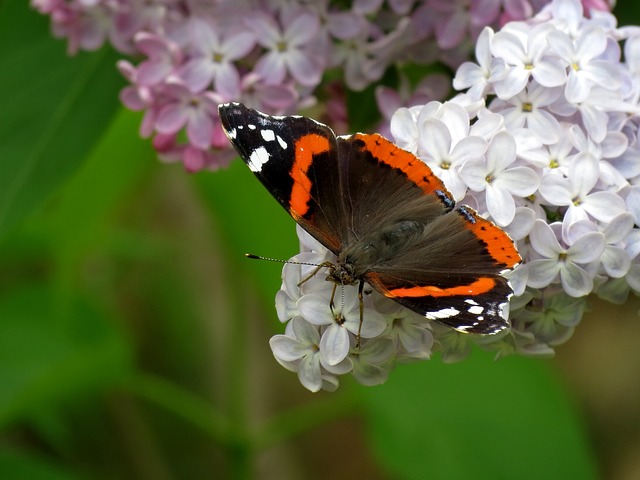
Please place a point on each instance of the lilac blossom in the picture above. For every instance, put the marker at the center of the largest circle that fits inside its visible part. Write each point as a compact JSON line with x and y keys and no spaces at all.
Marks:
{"x":288,"y":48}
{"x":213,"y":56}
{"x":572,"y":108}
{"x":569,"y":264}
{"x":525,"y":55}
{"x":272,"y":56}
{"x":496,"y":175}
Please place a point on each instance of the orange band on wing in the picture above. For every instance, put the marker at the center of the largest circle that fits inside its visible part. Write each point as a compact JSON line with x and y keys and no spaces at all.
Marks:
{"x":306,"y":147}
{"x":499,"y":245}
{"x":482,"y":285}
{"x":414,"y":168}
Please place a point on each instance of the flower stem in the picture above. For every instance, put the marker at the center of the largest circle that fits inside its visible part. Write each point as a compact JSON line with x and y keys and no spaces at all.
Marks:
{"x":240,"y":447}
{"x":183,"y":403}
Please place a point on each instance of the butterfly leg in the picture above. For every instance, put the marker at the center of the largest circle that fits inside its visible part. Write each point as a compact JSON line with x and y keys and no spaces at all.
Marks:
{"x":314,"y":271}
{"x":332,"y":304}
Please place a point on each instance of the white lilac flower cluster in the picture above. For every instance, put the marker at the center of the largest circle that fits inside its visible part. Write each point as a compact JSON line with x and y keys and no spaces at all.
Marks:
{"x":545,"y":143}
{"x":194,"y":54}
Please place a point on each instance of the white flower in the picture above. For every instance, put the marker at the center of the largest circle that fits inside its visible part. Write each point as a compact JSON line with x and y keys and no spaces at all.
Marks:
{"x":585,"y":68}
{"x":553,"y":156}
{"x":404,"y":130}
{"x":594,"y":110}
{"x":496,"y":175}
{"x":410,"y":333}
{"x":553,"y":318}
{"x":474,"y":76}
{"x":343,"y":320}
{"x":565,"y":262}
{"x":300,"y":353}
{"x":614,"y":260}
{"x":371,"y":364}
{"x":527,"y":109}
{"x":445,"y":145}
{"x":577,"y":193}
{"x":298,"y":268}
{"x":526,"y":56}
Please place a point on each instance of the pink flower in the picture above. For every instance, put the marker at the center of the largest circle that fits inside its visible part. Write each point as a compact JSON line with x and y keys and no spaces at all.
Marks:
{"x":212,"y":58}
{"x":268,"y":98}
{"x":163,"y":56}
{"x":196,"y":111}
{"x":288,"y":49}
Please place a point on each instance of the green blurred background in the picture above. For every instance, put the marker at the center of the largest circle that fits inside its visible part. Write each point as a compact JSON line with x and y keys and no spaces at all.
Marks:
{"x":134,"y":335}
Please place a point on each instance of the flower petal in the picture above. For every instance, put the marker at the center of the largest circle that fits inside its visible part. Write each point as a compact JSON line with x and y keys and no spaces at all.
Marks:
{"x":334,"y":344}
{"x":575,"y":281}
{"x":587,"y":248}
{"x":315,"y":309}
{"x":542,"y":272}
{"x":500,"y":205}
{"x":544,"y":241}
{"x":309,"y":373}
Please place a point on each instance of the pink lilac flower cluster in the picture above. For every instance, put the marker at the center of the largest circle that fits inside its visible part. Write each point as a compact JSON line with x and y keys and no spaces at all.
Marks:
{"x":544,"y":142}
{"x":195,"y":54}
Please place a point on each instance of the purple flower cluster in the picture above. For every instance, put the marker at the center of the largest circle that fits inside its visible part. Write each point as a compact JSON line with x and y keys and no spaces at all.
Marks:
{"x":271,"y":56}
{"x":545,"y":143}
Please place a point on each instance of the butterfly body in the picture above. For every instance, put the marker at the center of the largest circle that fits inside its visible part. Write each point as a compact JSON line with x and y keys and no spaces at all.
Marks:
{"x":389,"y":220}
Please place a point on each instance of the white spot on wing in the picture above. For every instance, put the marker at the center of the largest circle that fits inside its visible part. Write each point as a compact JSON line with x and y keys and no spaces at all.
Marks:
{"x":232,"y":133}
{"x":476,"y":310}
{"x":444,"y":313}
{"x":258,"y":158}
{"x":251,"y":126}
{"x":282,"y":143}
{"x":268,"y":135}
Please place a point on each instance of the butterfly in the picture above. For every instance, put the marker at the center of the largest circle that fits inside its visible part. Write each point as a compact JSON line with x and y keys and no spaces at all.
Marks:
{"x":389,"y":220}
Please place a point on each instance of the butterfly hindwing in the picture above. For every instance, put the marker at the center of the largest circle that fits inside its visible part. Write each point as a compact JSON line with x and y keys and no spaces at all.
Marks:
{"x":453,"y":273}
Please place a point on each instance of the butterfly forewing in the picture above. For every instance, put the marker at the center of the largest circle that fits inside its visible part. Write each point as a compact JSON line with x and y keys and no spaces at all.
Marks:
{"x":296,"y":160}
{"x":378,"y":192}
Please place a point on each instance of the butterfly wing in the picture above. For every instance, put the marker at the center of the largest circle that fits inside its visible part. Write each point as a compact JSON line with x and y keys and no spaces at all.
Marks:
{"x":296,"y":159}
{"x":452,"y":274}
{"x":382,"y":182}
{"x":451,"y":271}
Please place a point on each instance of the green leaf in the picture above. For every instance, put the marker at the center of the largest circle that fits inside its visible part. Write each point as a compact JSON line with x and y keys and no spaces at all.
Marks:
{"x":477,"y":419}
{"x":117,"y":162}
{"x":54,"y":109}
{"x":16,"y":466}
{"x":46,"y":359}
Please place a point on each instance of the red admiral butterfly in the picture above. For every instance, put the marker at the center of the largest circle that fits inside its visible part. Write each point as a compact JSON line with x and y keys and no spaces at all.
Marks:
{"x":390,"y":221}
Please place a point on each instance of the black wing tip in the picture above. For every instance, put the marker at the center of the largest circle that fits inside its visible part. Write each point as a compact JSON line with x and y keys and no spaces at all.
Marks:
{"x":230,"y":111}
{"x":225,"y":107}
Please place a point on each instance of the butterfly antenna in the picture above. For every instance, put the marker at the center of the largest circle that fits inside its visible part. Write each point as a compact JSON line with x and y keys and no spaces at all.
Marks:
{"x":279,"y":260}
{"x":259,"y":257}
